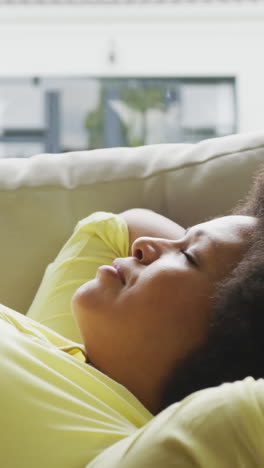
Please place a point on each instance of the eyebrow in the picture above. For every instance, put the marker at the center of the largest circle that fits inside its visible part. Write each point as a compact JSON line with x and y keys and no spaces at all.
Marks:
{"x":201,"y":232}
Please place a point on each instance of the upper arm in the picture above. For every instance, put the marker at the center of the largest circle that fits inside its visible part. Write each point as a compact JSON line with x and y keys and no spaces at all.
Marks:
{"x":220,"y":427}
{"x":144,"y":222}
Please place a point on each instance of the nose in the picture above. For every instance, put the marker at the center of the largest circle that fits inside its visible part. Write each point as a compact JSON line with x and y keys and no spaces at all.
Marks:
{"x":149,"y":249}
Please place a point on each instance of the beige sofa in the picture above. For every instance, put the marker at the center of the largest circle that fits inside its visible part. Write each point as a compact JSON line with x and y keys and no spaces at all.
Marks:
{"x":43,"y":197}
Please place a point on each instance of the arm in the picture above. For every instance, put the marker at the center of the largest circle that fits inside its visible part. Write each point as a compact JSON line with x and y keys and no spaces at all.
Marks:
{"x":143,"y":222}
{"x":220,"y":427}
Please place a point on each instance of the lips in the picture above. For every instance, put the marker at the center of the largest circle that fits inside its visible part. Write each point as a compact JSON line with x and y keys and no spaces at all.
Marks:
{"x":119,"y":271}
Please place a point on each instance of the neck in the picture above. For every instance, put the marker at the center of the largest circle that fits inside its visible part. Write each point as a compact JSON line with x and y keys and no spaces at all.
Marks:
{"x":146,"y":388}
{"x":146,"y":392}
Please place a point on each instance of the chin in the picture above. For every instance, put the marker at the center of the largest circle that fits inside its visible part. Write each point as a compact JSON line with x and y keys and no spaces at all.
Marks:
{"x":84,"y":296}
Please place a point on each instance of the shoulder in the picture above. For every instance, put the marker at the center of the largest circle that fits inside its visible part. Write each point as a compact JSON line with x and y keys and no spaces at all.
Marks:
{"x":218,"y":427}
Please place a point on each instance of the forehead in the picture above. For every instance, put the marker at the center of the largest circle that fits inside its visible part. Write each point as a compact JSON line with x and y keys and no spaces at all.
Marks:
{"x":233,"y":227}
{"x":223,"y":240}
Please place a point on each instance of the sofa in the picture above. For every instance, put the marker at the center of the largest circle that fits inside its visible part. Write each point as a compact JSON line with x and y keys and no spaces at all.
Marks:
{"x":43,"y":197}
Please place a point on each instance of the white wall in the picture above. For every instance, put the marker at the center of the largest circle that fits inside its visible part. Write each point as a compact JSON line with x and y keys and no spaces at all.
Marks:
{"x":148,"y":41}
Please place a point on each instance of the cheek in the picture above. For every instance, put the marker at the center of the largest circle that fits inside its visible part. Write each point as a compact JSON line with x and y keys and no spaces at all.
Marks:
{"x":180,"y":308}
{"x":195,"y":316}
{"x":169,"y":292}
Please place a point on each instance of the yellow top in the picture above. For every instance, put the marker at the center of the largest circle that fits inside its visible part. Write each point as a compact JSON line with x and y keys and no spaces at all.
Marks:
{"x":56,"y":410}
{"x":219,"y":427}
{"x":59,"y":412}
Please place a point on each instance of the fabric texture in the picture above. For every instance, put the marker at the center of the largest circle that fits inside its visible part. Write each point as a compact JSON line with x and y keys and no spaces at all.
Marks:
{"x":56,"y":410}
{"x":219,"y":427}
{"x":96,"y":240}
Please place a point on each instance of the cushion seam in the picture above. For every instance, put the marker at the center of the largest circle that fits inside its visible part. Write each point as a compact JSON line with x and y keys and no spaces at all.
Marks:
{"x":138,"y":178}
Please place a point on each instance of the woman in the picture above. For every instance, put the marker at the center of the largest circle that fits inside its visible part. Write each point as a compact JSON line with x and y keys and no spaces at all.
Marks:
{"x":185,"y":312}
{"x":139,"y":327}
{"x":175,"y":319}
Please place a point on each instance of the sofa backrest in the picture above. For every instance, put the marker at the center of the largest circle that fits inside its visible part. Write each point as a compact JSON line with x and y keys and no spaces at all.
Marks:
{"x":43,"y":197}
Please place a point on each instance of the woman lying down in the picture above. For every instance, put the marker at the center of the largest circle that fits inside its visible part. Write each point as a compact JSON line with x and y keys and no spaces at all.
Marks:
{"x":135,"y":326}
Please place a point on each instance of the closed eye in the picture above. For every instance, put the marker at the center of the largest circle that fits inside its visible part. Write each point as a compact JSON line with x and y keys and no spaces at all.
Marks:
{"x":189,"y":258}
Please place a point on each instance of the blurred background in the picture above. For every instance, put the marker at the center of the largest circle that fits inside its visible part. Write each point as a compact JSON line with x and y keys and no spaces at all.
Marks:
{"x":86,"y":74}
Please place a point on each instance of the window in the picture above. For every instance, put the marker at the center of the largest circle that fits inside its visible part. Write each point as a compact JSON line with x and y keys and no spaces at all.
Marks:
{"x":68,"y":114}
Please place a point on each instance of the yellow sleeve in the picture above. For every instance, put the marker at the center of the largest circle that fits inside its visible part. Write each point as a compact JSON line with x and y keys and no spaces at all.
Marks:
{"x":96,"y":240}
{"x":219,"y":427}
{"x":56,"y":410}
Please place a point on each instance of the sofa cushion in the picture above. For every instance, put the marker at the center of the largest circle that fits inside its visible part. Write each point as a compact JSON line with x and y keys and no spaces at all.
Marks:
{"x":43,"y":197}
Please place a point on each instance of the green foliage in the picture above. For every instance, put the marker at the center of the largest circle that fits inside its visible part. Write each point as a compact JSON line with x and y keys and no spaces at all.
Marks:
{"x":142,"y":99}
{"x":139,"y":99}
{"x":94,"y":123}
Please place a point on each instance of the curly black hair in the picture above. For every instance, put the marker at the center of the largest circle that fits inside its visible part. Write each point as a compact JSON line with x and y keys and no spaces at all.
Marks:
{"x":234,"y":347}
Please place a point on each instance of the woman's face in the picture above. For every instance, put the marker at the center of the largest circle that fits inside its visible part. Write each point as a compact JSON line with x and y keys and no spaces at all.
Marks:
{"x":137,"y":331}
